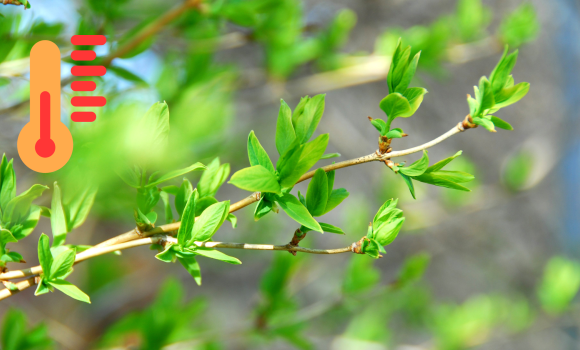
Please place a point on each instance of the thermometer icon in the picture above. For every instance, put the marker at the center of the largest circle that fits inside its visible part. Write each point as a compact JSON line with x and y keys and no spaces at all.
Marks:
{"x":45,"y":144}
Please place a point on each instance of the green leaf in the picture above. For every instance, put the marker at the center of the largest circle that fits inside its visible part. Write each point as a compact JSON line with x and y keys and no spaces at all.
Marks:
{"x":440,"y":164}
{"x":71,"y":290}
{"x":166,"y":207}
{"x":330,"y":155}
{"x":168,"y":254}
{"x":380,"y":125}
{"x":520,"y":26}
{"x":292,"y":206}
{"x":500,"y":74}
{"x":233,"y":220}
{"x":18,"y":208}
{"x":204,"y":203}
{"x":212,"y":178}
{"x":385,"y":209}
{"x":216,"y":254}
{"x":306,"y":122}
{"x":209,"y":222}
{"x":62,"y":264}
{"x":7,"y":182}
{"x":442,"y":179}
{"x":395,"y":133}
{"x":42,"y":288}
{"x":387,"y":232}
{"x":77,"y":208}
{"x":502,"y":124}
{"x":486,"y":97}
{"x":182,"y":196}
{"x":511,"y":95}
{"x":317,"y":194}
{"x":154,"y":126}
{"x":413,"y":269}
{"x":559,"y":285}
{"x":310,"y":155}
{"x":257,"y":154}
{"x":287,"y":164}
{"x":285,"y":134}
{"x":409,"y":183}
{"x":330,"y":228}
{"x":408,"y":74}
{"x":6,"y":237}
{"x":417,"y":168}
{"x":256,"y":179}
{"x":395,"y":105}
{"x":185,"y":232}
{"x":336,"y":197}
{"x":415,"y":97}
{"x":398,"y":67}
{"x":176,"y":173}
{"x":44,"y":255}
{"x":486,"y":123}
{"x":263,"y":207}
{"x":57,"y":218}
{"x":192,"y":267}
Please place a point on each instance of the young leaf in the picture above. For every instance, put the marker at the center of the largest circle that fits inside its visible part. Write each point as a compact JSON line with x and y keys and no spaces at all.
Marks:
{"x":192,"y":267}
{"x":395,"y":133}
{"x":71,"y":290}
{"x":417,"y":168}
{"x":285,"y":134}
{"x":306,"y":122}
{"x":212,"y":178}
{"x":330,"y":228}
{"x":380,"y":125}
{"x":7,"y":182}
{"x":500,"y":74}
{"x":216,"y":254}
{"x":336,"y":197}
{"x":257,"y":179}
{"x":292,"y":206}
{"x":415,"y":97}
{"x":77,"y":207}
{"x":44,"y":255}
{"x":166,"y":207}
{"x":287,"y":163}
{"x":441,"y":179}
{"x":317,"y":194}
{"x":409,"y":183}
{"x":500,"y":123}
{"x":154,"y":125}
{"x":263,"y":207}
{"x":310,"y":155}
{"x":175,"y":173}
{"x":209,"y":222}
{"x":62,"y":264}
{"x":18,"y":208}
{"x":257,"y":154}
{"x":185,"y":232}
{"x":395,"y":105}
{"x":58,"y":219}
{"x":182,"y":196}
{"x":167,"y":255}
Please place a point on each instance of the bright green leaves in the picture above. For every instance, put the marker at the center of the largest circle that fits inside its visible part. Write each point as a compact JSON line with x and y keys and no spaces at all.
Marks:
{"x":155,"y":180}
{"x":69,"y":212}
{"x":285,"y":134}
{"x":497,"y":92}
{"x":18,"y":216}
{"x":17,"y":336}
{"x":212,"y":178}
{"x":402,"y":101}
{"x":317,"y":194}
{"x":257,"y":154}
{"x":433,"y":175}
{"x":256,"y":178}
{"x":560,"y":285}
{"x":297,"y":156}
{"x":55,"y":270}
{"x":383,"y":230}
{"x":402,"y":69}
{"x":520,"y":26}
{"x":200,"y":230}
{"x":307,"y":116}
{"x":297,"y":211}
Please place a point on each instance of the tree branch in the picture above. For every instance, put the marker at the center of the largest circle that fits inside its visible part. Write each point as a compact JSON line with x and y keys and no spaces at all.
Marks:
{"x":16,"y":2}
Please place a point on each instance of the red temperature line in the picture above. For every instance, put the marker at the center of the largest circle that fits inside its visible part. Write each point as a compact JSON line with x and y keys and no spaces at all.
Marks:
{"x":44,"y":147}
{"x":83,"y":55}
{"x":88,"y":40}
{"x":83,"y":117}
{"x":87,"y":71}
{"x":88,"y":101}
{"x":83,"y":86}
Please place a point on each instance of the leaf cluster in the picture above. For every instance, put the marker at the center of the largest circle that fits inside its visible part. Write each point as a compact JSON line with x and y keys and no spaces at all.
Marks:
{"x":384,"y":229}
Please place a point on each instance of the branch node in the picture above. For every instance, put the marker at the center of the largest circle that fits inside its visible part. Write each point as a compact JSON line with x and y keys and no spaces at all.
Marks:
{"x":467,"y":123}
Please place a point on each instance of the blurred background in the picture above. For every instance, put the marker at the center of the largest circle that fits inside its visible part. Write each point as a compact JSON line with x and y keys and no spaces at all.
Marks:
{"x":492,"y":269}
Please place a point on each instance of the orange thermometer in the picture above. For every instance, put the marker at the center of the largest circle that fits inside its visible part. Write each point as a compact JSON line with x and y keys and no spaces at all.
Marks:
{"x":45,"y":144}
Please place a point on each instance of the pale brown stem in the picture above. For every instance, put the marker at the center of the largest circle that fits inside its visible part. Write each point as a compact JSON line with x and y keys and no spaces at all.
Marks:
{"x":22,"y":285}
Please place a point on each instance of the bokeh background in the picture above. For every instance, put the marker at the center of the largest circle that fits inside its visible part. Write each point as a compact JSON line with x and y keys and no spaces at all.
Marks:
{"x":490,"y":269}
